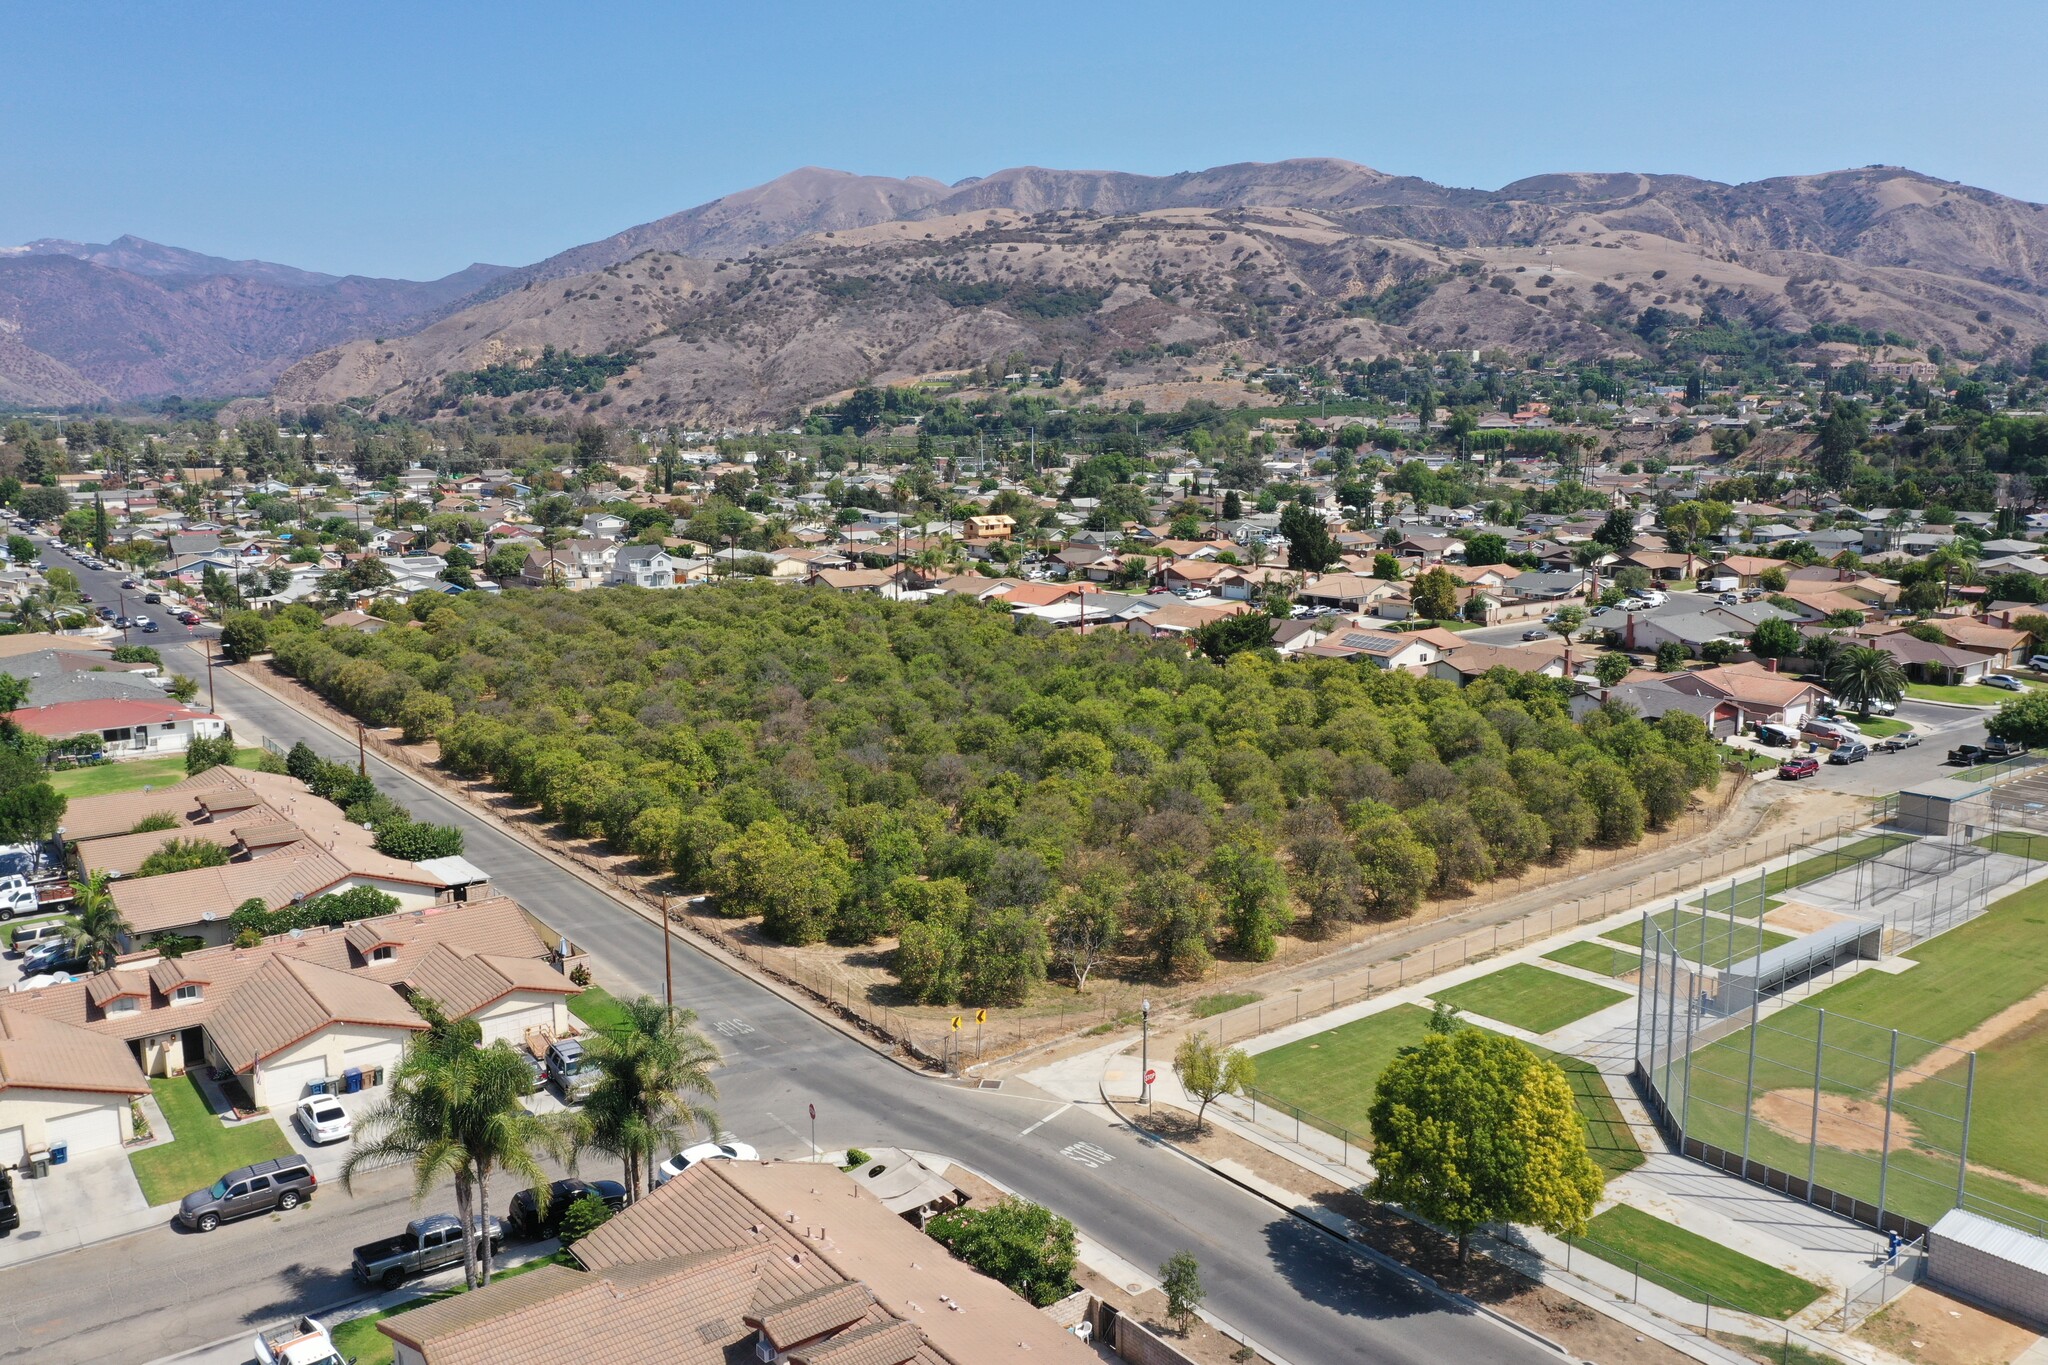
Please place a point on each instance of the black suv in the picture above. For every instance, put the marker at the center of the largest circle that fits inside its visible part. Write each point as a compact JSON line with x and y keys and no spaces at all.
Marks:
{"x":281,"y":1183}
{"x":10,"y":1212}
{"x":521,"y":1222}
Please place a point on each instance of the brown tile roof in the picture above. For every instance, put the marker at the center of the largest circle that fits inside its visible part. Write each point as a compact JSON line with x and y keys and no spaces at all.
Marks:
{"x":795,"y":1321}
{"x":498,"y":927}
{"x":287,"y":1001}
{"x":105,"y":986}
{"x":122,"y":854}
{"x":97,"y":817}
{"x":462,"y":985}
{"x":177,"y":899}
{"x":43,"y":1054}
{"x":882,"y":1343}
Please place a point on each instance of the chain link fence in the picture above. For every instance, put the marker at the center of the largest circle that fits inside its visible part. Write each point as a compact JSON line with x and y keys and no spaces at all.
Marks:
{"x":1860,"y":1118}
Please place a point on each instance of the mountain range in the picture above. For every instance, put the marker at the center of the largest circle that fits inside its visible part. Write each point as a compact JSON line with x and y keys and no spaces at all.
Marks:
{"x":744,"y":307}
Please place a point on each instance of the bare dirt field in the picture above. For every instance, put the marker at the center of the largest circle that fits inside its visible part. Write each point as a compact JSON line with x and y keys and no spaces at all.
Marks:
{"x":1849,"y":1124}
{"x":1929,"y":1328}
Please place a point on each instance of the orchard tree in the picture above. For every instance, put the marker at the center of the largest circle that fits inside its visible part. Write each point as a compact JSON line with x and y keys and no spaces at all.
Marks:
{"x":1471,"y":1128}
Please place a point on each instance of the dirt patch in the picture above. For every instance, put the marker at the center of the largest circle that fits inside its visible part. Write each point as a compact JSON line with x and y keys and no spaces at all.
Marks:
{"x":1797,"y":917}
{"x":1930,"y":1328}
{"x":2011,"y":1019}
{"x":1585,"y":1333}
{"x":1851,"y":1125}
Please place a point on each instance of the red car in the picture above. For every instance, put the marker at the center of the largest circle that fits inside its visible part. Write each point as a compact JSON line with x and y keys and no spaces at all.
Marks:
{"x":1794,"y":768}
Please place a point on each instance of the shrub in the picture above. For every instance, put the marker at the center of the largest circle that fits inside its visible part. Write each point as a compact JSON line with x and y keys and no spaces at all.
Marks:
{"x":583,"y":1217}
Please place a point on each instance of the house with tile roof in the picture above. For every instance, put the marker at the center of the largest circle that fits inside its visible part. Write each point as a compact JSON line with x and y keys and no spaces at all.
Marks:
{"x":309,"y":1006}
{"x":782,"y":1261}
{"x":61,"y":1083}
{"x":127,"y":727}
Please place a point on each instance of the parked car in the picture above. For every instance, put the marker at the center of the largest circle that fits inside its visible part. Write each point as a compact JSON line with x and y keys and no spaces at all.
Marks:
{"x":1792,"y":769}
{"x":571,"y":1069}
{"x":523,"y":1222}
{"x":1777,"y":736}
{"x":323,"y":1120}
{"x":281,"y":1183}
{"x":28,"y":936}
{"x":427,"y":1244}
{"x":149,"y":627}
{"x":304,"y":1342}
{"x":1894,"y":743}
{"x":2004,"y":680}
{"x":1535,"y":634}
{"x":703,"y":1151}
{"x":1990,"y":751}
{"x":535,"y":1068}
{"x":10,"y":1212}
{"x":122,"y":622}
{"x":152,"y":598}
{"x":1850,"y":751}
{"x":62,"y":954}
{"x":17,"y":897}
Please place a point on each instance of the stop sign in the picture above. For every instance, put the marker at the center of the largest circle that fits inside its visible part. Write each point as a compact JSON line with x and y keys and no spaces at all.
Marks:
{"x":1151,"y":1076}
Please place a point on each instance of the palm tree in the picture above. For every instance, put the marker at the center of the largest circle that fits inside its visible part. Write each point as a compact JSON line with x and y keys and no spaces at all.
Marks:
{"x":454,"y":1110}
{"x":97,"y":921}
{"x":654,"y":1076}
{"x":1861,"y":675}
{"x":1589,"y":557}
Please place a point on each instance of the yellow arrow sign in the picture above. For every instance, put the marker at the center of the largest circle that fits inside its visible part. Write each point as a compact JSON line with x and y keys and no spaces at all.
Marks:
{"x":956,"y":1023}
{"x":981,"y":1016}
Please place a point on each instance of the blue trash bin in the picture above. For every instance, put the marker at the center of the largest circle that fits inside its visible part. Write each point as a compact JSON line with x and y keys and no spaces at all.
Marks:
{"x":352,"y":1080}
{"x":60,"y":1152}
{"x":317,"y":1087}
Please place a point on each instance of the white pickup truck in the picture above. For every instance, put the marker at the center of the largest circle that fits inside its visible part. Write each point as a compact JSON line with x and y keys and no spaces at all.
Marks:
{"x":303,"y":1343}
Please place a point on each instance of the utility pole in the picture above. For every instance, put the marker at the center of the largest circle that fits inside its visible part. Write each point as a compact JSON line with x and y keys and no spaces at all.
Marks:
{"x":362,"y":762}
{"x":209,"y":674}
{"x":668,"y":966}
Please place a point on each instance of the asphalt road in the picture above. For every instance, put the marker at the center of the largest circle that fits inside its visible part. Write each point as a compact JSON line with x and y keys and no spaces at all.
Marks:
{"x":1289,"y":1286}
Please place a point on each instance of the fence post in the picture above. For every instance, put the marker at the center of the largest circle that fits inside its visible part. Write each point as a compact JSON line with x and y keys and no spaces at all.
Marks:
{"x":1884,"y":1168}
{"x":1963,"y":1157}
{"x":1756,"y":996}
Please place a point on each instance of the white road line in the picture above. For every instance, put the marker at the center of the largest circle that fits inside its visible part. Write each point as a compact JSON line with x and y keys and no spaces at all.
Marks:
{"x":1047,"y":1119}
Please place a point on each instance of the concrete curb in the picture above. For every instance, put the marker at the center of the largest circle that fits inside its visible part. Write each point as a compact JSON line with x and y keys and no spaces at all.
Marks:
{"x":1371,"y":1253}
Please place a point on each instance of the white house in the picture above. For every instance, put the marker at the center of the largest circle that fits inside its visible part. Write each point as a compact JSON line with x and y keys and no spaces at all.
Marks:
{"x":127,"y":729}
{"x":643,"y":566}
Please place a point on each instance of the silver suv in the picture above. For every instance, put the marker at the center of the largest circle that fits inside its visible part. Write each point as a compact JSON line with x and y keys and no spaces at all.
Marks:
{"x":282,"y":1183}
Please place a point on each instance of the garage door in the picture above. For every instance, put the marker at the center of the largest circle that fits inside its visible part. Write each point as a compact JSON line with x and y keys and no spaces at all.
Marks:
{"x":512,"y":1025}
{"x":88,"y":1130}
{"x":284,"y":1085}
{"x":12,"y":1145}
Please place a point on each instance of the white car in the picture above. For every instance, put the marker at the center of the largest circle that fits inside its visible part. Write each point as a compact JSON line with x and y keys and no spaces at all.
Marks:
{"x":323,"y":1120}
{"x":703,"y":1151}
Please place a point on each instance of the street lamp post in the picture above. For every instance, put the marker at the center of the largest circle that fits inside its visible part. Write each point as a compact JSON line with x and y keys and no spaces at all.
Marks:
{"x":1145,"y":1053}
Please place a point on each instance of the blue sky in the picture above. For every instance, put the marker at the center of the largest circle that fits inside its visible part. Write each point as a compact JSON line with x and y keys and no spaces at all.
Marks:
{"x":414,"y":139}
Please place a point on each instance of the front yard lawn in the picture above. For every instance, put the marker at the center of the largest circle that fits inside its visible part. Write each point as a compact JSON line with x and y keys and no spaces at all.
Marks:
{"x":599,"y":1010}
{"x":1689,"y":1264}
{"x":134,"y":774}
{"x":1968,"y":694}
{"x":202,"y":1149}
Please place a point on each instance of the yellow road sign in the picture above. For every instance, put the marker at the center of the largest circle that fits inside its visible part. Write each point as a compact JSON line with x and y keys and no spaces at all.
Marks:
{"x":956,"y":1023}
{"x":981,"y":1016}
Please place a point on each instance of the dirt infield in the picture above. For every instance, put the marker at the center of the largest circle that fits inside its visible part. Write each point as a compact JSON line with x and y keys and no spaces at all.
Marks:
{"x":1849,"y":1124}
{"x":1797,"y":917}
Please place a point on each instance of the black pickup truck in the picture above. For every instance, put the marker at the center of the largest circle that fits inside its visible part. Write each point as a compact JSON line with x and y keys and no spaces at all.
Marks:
{"x":1990,"y":751}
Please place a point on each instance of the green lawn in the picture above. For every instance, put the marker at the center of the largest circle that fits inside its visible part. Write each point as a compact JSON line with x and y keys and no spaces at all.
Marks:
{"x":1743,"y":895}
{"x":1333,"y":1075}
{"x":596,"y":1007}
{"x":1963,"y":978}
{"x":1692,"y":1265}
{"x":2016,"y":844}
{"x":1529,"y":997}
{"x":1708,"y":937}
{"x":361,"y":1343}
{"x":1591,"y":955}
{"x":1969,"y":694}
{"x":135,"y":774}
{"x":203,"y":1148}
{"x":1882,"y":727}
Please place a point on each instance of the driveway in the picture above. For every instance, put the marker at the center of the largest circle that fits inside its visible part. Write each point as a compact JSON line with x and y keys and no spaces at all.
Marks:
{"x":88,"y":1199}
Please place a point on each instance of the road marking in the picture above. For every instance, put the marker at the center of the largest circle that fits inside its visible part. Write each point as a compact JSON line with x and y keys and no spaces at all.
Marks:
{"x":733,"y":1028}
{"x":1087,"y":1153}
{"x":1047,"y":1119}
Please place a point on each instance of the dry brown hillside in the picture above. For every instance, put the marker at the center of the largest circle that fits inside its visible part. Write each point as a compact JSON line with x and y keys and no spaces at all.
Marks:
{"x":753,"y":339}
